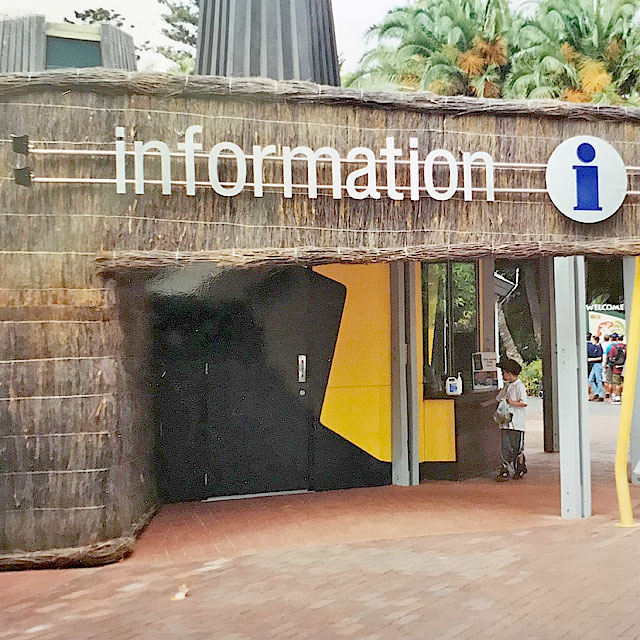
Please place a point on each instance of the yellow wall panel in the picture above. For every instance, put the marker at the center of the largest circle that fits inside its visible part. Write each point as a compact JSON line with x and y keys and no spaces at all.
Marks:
{"x":438,"y":431}
{"x":357,"y":403}
{"x":362,"y":415}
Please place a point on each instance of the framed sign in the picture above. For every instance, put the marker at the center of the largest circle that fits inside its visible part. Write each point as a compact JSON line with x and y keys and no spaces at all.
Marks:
{"x":485,"y":371}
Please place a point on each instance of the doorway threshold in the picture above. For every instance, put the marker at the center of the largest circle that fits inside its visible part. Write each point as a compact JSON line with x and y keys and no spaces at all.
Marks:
{"x":257,"y":495}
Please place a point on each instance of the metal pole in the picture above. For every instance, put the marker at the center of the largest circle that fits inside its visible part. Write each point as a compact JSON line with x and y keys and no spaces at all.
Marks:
{"x":549,"y":356}
{"x":629,"y":269}
{"x":399,"y":411}
{"x":575,"y":464}
{"x":622,"y":450}
{"x":412,"y":285}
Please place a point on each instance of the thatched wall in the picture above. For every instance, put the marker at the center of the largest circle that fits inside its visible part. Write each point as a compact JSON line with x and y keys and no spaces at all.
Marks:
{"x":76,"y":444}
{"x":75,"y":435}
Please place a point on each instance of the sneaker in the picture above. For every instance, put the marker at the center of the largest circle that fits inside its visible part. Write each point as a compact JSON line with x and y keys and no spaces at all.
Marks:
{"x":503,"y":475}
{"x":521,"y":469}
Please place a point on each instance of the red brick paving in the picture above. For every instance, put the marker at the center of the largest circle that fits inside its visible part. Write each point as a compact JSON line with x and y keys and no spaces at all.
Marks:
{"x":240,"y":527}
{"x":443,"y":560}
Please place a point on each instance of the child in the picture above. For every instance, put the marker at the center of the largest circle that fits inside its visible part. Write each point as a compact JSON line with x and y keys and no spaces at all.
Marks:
{"x":512,"y":433}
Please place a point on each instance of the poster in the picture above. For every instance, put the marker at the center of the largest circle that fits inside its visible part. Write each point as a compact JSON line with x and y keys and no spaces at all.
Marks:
{"x":485,"y":371}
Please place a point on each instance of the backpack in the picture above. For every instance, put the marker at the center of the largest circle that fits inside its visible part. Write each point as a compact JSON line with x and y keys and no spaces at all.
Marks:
{"x":619,"y":355}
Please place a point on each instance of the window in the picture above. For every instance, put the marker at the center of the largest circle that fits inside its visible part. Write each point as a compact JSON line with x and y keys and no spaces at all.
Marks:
{"x":64,"y":53}
{"x":450,"y":322}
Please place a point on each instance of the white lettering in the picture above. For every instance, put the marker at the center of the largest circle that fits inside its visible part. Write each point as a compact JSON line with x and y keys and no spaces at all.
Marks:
{"x":489,"y":174}
{"x":429,"y":162}
{"x":391,"y":153}
{"x":121,"y":167}
{"x":414,"y":169}
{"x":140,"y":149}
{"x":369,"y":171}
{"x":360,"y":183}
{"x":189,"y":146}
{"x":312,"y":158}
{"x":259,"y":154}
{"x":241,"y":167}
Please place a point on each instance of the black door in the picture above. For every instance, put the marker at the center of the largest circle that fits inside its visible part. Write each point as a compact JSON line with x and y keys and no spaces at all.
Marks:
{"x":234,"y":416}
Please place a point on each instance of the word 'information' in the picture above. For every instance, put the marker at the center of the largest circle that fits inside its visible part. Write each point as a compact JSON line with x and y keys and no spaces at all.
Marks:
{"x":359,"y":183}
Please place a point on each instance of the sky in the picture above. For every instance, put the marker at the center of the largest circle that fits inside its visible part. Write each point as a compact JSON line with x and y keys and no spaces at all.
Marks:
{"x":352,"y":19}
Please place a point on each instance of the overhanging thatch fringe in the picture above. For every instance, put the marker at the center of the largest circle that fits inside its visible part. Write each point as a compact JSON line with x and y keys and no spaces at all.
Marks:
{"x":127,"y":261}
{"x":114,"y":82}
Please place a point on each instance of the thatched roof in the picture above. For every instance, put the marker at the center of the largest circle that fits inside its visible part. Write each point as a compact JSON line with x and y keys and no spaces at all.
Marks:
{"x":135,"y":231}
{"x":114,"y":82}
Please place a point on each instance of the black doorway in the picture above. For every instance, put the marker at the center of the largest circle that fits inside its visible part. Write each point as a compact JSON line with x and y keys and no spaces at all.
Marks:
{"x":233,"y":415}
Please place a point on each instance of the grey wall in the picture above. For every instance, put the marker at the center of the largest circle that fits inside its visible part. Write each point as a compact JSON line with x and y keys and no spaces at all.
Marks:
{"x":23,"y":43}
{"x":117,"y":48}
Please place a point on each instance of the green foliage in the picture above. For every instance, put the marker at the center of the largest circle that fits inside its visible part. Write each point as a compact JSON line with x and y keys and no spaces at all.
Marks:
{"x":574,"y":50}
{"x":531,"y":376}
{"x":463,"y":296}
{"x":586,"y":50}
{"x":447,"y":46}
{"x":182,"y":27}
{"x":604,"y":280}
{"x":96,"y":16}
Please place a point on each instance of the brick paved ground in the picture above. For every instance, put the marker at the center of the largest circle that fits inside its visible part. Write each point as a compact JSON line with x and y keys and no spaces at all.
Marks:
{"x":443,"y":560}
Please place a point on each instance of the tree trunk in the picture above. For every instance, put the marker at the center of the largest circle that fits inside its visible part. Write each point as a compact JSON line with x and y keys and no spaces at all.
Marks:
{"x":530,"y":277}
{"x":507,"y":339}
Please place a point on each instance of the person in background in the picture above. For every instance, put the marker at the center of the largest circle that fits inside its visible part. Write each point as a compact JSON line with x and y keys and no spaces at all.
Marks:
{"x":590,"y":360}
{"x":589,"y":353}
{"x":595,"y":377}
{"x":512,"y":433}
{"x":606,"y":370}
{"x":616,"y":359}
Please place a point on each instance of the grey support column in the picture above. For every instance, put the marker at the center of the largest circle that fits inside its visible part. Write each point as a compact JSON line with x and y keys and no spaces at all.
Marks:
{"x":573,"y":419}
{"x":405,"y":468}
{"x":549,"y":356}
{"x":414,"y":370}
{"x":400,"y":473}
{"x":629,"y":271}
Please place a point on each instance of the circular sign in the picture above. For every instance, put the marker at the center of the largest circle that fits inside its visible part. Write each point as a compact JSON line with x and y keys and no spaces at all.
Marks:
{"x":586,"y":179}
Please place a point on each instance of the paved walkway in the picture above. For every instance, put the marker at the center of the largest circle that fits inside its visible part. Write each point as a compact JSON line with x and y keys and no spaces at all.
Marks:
{"x":444,"y":560}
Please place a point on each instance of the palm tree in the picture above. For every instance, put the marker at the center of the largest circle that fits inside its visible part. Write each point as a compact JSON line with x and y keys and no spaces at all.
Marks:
{"x":400,"y":64}
{"x":450,"y":47}
{"x":579,"y":51}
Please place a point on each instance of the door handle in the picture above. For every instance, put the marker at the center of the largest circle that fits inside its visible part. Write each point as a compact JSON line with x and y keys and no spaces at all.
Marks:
{"x":302,"y":368}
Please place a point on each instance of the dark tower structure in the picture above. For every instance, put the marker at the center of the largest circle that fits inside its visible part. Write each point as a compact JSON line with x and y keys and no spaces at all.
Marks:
{"x":280,"y":39}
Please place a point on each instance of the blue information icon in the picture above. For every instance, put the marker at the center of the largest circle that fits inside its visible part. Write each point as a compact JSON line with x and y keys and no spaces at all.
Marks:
{"x":587,"y":181}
